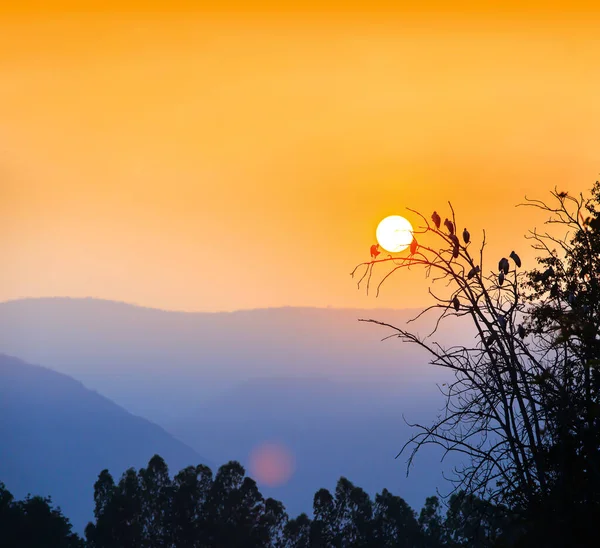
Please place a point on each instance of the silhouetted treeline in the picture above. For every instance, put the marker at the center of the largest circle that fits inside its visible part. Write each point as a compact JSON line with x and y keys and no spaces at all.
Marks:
{"x":197,"y":509}
{"x":34,"y":523}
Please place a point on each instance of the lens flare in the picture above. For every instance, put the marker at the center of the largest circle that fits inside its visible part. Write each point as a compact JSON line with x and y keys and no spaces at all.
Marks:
{"x":271,"y":464}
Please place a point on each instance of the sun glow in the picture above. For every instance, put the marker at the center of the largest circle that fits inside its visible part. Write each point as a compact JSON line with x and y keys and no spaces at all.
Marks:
{"x":394,"y":233}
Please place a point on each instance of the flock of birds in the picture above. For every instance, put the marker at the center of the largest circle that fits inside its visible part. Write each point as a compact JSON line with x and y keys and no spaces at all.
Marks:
{"x":503,"y":265}
{"x":503,"y":270}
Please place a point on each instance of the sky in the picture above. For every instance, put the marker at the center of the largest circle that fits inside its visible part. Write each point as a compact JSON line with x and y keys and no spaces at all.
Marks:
{"x":185,"y":157}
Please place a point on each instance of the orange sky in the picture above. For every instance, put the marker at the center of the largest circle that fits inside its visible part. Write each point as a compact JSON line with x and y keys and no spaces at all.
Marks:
{"x":197,"y":160}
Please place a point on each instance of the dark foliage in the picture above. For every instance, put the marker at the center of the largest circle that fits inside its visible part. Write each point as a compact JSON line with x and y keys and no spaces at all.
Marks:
{"x":524,"y":408}
{"x":34,"y":523}
{"x":195,"y":509}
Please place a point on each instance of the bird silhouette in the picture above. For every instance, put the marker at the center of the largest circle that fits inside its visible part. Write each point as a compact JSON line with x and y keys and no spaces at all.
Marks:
{"x":450,"y":226}
{"x":456,"y":303}
{"x":521,"y":331}
{"x":515,"y":258}
{"x":436,"y":219}
{"x":466,"y":236}
{"x":375,"y":251}
{"x":473,"y":271}
{"x":503,"y":265}
{"x":413,"y":246}
{"x":456,"y":244}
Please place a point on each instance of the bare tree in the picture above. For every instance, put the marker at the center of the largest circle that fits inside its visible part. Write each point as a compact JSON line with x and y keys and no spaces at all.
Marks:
{"x":526,"y":385}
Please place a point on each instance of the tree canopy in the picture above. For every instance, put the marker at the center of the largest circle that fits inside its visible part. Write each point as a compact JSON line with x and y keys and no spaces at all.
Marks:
{"x":524,"y":408}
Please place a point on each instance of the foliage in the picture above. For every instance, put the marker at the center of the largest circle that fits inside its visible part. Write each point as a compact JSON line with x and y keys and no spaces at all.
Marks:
{"x":524,"y":408}
{"x":196,"y":510}
{"x":34,"y":523}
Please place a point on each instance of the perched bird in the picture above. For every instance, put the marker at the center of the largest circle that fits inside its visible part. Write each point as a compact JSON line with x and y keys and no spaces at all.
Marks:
{"x":473,"y":271}
{"x":375,"y":251}
{"x":515,"y":258}
{"x":503,"y":265}
{"x":502,"y":321}
{"x":450,"y":226}
{"x":562,"y":195}
{"x":466,"y":236}
{"x":436,"y":219}
{"x":521,"y":331}
{"x":413,"y":246}
{"x":501,"y":277}
{"x":456,"y":303}
{"x":456,"y":244}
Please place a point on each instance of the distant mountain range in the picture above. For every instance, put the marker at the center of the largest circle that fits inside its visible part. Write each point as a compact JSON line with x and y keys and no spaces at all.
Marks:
{"x":56,"y":436}
{"x":125,"y":351}
{"x":314,"y":379}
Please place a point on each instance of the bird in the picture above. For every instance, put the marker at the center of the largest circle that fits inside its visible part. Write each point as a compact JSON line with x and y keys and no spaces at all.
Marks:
{"x":563,"y":194}
{"x":503,"y":265}
{"x":472,"y":272}
{"x":502,"y":321}
{"x":455,"y":251}
{"x":466,"y":236}
{"x":501,"y":277}
{"x":515,"y":258}
{"x":521,"y":331}
{"x":449,"y":225}
{"x":436,"y":219}
{"x":375,"y":251}
{"x":413,"y":246}
{"x":456,"y":303}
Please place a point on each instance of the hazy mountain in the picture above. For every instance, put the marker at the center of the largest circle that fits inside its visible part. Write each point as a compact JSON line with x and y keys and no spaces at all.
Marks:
{"x":315,"y":379}
{"x":331,"y":428}
{"x":160,"y":364}
{"x":56,"y":436}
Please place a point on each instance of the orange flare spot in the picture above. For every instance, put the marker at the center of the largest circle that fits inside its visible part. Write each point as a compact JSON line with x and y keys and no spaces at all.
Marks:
{"x":271,"y":464}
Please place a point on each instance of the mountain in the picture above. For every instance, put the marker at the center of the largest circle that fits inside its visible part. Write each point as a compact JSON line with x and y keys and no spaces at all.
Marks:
{"x":56,"y":436}
{"x":317,"y":380}
{"x":331,"y":429}
{"x":160,"y":364}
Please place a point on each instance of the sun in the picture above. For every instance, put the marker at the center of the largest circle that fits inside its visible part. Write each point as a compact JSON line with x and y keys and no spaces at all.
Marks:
{"x":394,"y":233}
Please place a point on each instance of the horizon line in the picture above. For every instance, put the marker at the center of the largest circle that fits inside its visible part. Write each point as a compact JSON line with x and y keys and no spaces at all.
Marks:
{"x":178,"y":311}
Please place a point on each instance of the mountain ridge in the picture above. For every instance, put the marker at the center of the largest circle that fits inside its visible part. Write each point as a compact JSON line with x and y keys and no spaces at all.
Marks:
{"x":58,"y":435}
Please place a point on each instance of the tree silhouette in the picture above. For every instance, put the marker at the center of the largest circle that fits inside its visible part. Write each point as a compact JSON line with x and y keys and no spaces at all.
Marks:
{"x":394,"y":522}
{"x":196,"y":510}
{"x":34,"y":523}
{"x":524,"y":407}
